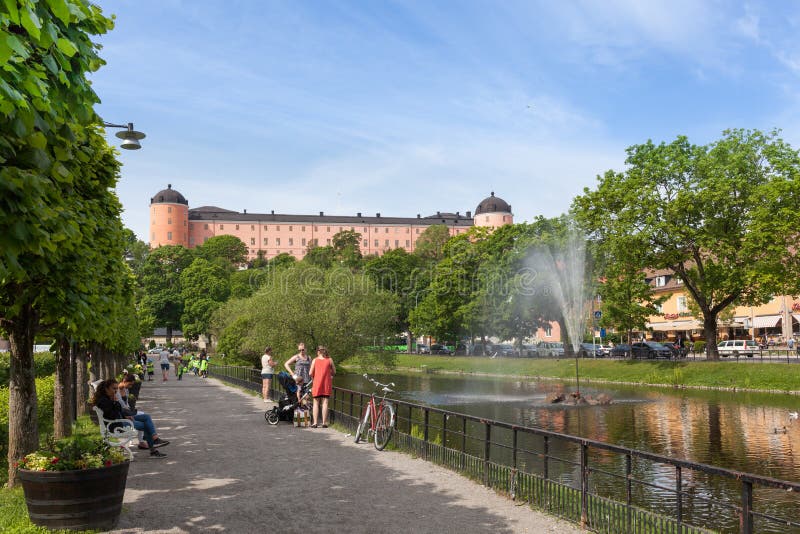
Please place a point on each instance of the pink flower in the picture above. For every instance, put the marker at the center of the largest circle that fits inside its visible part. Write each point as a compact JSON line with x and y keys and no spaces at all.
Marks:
{"x":54,"y":460}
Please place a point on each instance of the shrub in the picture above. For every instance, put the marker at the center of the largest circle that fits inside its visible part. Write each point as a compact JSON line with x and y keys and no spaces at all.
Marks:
{"x":699,"y":347}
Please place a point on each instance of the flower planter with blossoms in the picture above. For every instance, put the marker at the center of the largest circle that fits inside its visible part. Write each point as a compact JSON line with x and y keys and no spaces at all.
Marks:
{"x":76,"y":483}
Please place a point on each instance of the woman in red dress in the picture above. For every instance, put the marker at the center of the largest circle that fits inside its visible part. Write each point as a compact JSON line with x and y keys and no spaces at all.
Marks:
{"x":322,"y":371}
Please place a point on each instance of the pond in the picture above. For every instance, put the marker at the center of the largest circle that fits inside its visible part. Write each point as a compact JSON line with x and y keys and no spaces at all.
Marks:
{"x":745,"y":432}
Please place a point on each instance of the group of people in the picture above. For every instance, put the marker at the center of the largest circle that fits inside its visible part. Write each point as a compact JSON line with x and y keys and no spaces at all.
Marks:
{"x":321,"y":370}
{"x":114,"y":399}
{"x":198,"y":364}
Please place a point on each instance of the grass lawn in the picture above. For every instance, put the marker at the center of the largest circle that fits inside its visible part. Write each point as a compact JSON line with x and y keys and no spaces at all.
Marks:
{"x":725,"y":374}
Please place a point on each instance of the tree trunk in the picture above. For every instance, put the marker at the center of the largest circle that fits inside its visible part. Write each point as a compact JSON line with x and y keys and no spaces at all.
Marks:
{"x":710,"y":333}
{"x":91,"y":360}
{"x":81,"y":380}
{"x":62,"y":390}
{"x":23,"y":429}
{"x":169,"y":336}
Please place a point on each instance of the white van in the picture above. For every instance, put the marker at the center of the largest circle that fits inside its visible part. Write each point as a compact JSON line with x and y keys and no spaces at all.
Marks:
{"x":738,"y":347}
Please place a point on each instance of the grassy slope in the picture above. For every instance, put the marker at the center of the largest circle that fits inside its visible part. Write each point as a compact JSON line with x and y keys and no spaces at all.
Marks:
{"x":725,"y":374}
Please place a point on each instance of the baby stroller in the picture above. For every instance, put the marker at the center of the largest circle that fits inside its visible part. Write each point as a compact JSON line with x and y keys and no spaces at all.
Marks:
{"x":288,"y":402}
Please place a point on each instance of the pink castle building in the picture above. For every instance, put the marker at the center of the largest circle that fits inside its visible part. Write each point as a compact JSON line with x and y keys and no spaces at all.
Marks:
{"x":172,"y":222}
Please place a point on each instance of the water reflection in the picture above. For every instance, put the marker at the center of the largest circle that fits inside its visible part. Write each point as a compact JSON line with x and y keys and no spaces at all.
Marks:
{"x":744,"y":432}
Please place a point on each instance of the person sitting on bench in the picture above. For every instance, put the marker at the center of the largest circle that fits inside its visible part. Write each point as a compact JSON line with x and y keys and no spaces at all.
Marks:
{"x":104,"y":398}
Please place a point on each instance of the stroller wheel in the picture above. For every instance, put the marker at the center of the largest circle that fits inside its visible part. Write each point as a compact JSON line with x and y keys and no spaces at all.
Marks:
{"x":271,"y":416}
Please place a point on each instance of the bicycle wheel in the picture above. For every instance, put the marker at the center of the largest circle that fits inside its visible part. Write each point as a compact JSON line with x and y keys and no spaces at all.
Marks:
{"x":363,"y":425}
{"x":384,"y":427}
{"x":271,"y":416}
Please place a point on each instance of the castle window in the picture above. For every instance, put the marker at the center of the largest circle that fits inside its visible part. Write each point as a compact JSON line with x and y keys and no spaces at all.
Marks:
{"x":302,"y":228}
{"x":291,"y":241}
{"x":304,"y":241}
{"x":366,"y":243}
{"x":290,"y":229}
{"x":316,"y":228}
{"x":266,"y":227}
{"x":365,"y":229}
{"x":221,"y":226}
{"x":169,"y":236}
{"x":266,"y":241}
{"x":327,"y":228}
{"x":328,"y":242}
{"x":169,"y":220}
{"x":237,"y":226}
{"x":184,"y":222}
{"x":278,"y":228}
{"x":278,"y":241}
{"x":386,"y":231}
{"x":252,"y":240}
{"x":169,"y":209}
{"x":417,"y":230}
{"x":396,"y":243}
{"x":408,"y":243}
{"x":205,"y":226}
{"x":252,"y":227}
{"x":387,"y":243}
{"x":487,"y":218}
{"x":408,"y":230}
{"x":376,"y":244}
{"x":340,"y":228}
{"x":397,"y":230}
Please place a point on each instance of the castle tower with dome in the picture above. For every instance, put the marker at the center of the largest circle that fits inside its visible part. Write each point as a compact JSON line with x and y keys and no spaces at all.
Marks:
{"x":172,"y":222}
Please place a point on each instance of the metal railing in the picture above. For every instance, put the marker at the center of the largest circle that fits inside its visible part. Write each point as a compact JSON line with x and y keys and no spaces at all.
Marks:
{"x":603,"y":487}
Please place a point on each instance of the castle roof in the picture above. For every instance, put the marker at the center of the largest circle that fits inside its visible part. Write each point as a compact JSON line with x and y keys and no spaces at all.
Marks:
{"x":169,"y":196}
{"x":493,"y":204}
{"x":212,"y":213}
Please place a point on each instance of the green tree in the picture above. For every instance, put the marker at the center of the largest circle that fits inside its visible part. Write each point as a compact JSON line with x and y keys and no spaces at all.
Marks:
{"x":227,"y":249}
{"x":204,"y":286}
{"x":430,"y":244}
{"x":627,"y":299}
{"x":723,"y":217}
{"x":347,"y":249}
{"x":402,"y":274}
{"x":321,"y":257}
{"x":162,"y":302}
{"x":46,"y":104}
{"x":331,"y":307}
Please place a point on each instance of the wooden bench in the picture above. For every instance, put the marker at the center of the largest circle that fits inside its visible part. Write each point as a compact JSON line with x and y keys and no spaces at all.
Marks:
{"x":121,"y":436}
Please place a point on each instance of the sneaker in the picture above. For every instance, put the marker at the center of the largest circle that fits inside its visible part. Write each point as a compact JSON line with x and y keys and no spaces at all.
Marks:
{"x":157,"y":454}
{"x":159,"y":443}
{"x":144,"y":446}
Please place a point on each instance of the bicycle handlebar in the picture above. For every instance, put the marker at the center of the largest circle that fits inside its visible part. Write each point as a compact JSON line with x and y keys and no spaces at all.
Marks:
{"x":384,"y":387}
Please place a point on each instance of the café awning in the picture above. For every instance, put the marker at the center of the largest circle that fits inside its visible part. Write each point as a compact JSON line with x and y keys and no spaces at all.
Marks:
{"x":766,"y":321}
{"x":669,"y":326}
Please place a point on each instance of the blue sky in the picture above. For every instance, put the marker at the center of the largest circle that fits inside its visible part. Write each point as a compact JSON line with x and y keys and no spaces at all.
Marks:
{"x":417,"y":107}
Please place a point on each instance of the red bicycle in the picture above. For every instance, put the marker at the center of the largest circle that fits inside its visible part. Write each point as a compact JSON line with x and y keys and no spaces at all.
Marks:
{"x":378,"y":417}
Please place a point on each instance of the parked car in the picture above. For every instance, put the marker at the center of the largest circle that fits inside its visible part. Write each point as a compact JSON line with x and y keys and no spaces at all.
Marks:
{"x":553,"y":349}
{"x":422,"y":348}
{"x":529,"y":351}
{"x":590,"y":350}
{"x":650,"y":350}
{"x":623,"y":350}
{"x":461,"y":349}
{"x":502,"y":349}
{"x":738,"y":347}
{"x":440,"y":349}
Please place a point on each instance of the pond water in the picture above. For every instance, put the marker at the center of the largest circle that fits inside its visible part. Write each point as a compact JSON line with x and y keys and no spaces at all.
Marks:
{"x":744,"y":432}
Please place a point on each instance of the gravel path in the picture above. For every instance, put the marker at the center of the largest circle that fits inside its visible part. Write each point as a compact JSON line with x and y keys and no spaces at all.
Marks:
{"x":228,"y":471}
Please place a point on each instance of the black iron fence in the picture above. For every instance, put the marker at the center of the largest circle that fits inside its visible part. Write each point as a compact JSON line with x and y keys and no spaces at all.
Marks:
{"x":603,"y":487}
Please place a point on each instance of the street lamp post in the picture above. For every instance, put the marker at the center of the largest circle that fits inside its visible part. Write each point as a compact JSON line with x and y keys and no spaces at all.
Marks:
{"x":130,"y":137}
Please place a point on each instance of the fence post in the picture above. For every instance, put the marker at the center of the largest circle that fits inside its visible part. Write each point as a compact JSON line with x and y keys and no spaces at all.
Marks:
{"x":746,"y":514}
{"x":629,"y":489}
{"x":444,"y":432}
{"x":678,"y":495}
{"x":463,"y":441}
{"x":546,"y":467}
{"x":425,"y":418}
{"x":513,"y":485}
{"x":584,"y":484}
{"x":487,"y":441}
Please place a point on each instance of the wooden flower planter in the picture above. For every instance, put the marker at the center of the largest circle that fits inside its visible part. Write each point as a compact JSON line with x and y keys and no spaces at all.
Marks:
{"x":75,"y":500}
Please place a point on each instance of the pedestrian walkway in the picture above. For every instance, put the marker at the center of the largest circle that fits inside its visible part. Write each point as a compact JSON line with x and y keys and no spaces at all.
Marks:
{"x":228,"y":471}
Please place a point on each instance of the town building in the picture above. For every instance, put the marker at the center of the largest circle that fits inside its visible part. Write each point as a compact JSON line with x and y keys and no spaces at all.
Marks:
{"x":775,"y":321}
{"x":173,"y":222}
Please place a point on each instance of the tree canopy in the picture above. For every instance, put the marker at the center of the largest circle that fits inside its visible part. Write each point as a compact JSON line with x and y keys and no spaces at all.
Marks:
{"x":722,"y":216}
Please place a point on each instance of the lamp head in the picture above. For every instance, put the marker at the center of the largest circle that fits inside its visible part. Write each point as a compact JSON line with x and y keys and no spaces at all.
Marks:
{"x":130,"y":138}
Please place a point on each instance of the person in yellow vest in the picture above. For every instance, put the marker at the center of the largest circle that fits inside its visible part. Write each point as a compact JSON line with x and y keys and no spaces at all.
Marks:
{"x":151,"y":369}
{"x":203,"y":365}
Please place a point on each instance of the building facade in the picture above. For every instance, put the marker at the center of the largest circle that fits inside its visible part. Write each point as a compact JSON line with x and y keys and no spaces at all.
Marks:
{"x":775,"y":321}
{"x":172,"y":222}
